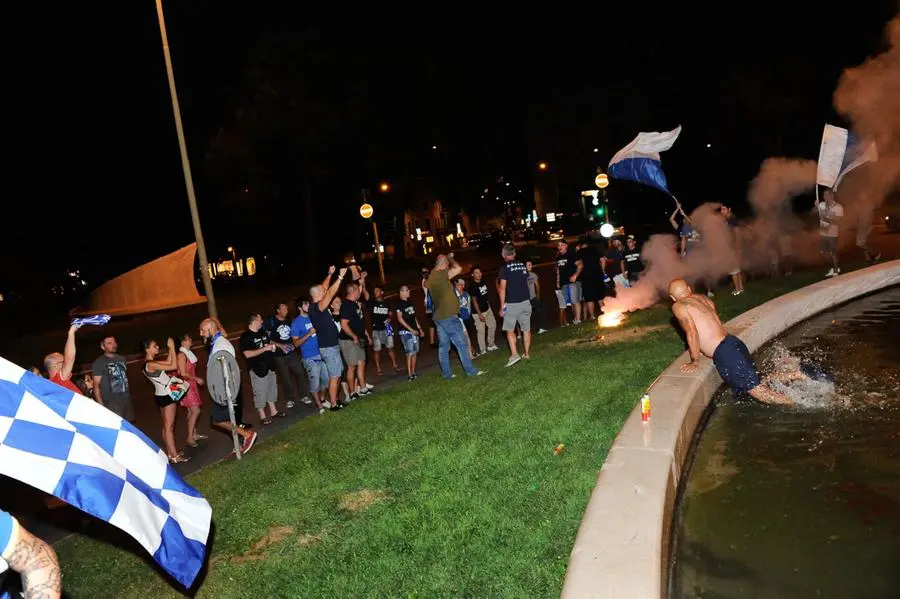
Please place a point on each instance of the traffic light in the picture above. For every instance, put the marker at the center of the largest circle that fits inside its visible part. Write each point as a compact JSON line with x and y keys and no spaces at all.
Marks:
{"x":600,"y":211}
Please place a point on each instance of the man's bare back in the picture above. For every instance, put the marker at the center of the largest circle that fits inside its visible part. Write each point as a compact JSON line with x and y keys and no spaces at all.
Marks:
{"x":705,"y":335}
{"x":702,"y":314}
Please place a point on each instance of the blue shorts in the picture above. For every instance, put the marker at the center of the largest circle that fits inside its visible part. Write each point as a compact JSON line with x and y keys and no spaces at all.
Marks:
{"x":735,"y":366}
{"x":410,"y":343}
{"x":333,"y":363}
{"x":316,"y":373}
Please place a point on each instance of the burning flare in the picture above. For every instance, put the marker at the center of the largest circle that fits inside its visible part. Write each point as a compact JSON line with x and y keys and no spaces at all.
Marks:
{"x":613,"y":319}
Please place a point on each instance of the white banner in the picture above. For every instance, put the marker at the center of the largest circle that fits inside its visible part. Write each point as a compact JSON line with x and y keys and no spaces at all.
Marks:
{"x":831,"y":155}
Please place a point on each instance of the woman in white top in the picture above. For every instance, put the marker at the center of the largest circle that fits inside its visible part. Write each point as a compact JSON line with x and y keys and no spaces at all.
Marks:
{"x":156,"y":372}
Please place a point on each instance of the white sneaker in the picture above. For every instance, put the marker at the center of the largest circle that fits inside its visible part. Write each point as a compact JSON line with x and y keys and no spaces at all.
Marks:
{"x":290,"y":404}
{"x":493,"y":348}
{"x":512,"y":360}
{"x":576,"y":322}
{"x":541,"y":331}
{"x":322,"y":410}
{"x":306,"y":400}
{"x":480,"y":372}
{"x":831,"y":273}
{"x":326,"y":404}
{"x":370,"y":386}
{"x":710,"y":294}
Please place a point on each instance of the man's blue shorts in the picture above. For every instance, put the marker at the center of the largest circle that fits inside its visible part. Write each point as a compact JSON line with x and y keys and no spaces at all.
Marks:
{"x":735,"y":366}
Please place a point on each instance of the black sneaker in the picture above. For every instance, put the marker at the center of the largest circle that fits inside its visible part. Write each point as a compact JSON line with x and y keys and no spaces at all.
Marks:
{"x":415,"y":376}
{"x":410,"y":378}
{"x":336,"y":408}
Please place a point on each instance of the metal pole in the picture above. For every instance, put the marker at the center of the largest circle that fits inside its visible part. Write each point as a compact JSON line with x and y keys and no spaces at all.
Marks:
{"x":186,"y":167}
{"x":378,"y":251}
{"x":226,"y":377}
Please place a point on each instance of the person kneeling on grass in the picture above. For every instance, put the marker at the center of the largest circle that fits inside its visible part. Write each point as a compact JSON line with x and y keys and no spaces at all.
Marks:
{"x":705,"y":334}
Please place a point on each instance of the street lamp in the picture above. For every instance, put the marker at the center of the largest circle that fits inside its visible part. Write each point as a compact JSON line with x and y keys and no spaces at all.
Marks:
{"x":602,"y":182}
{"x":366,"y":211}
{"x":384,"y":187}
{"x":542,"y":166}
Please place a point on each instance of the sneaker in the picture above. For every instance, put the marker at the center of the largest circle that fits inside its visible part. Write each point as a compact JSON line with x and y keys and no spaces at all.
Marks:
{"x":710,"y":294}
{"x":513,"y":360}
{"x":362,"y":393}
{"x":830,"y":273}
{"x":576,"y":322}
{"x":321,"y":411}
{"x":290,"y":404}
{"x":541,"y":331}
{"x":410,"y":378}
{"x":480,"y":372}
{"x":415,"y":376}
{"x":336,"y":408}
{"x":526,"y":356}
{"x":493,"y":348}
{"x":353,"y":397}
{"x":306,"y":400}
{"x":326,"y":405}
{"x":248,"y":443}
{"x":370,"y":386}
{"x":876,"y":258}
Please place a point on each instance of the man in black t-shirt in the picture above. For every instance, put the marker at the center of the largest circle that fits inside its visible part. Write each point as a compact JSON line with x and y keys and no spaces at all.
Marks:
{"x":485,"y":323}
{"x":354,"y":338}
{"x":515,"y":305}
{"x":382,"y":329}
{"x":288,"y":365}
{"x":410,"y":331}
{"x":258,"y":349}
{"x":633,"y":264}
{"x":326,"y":332}
{"x":592,"y":288}
{"x":568,"y":275}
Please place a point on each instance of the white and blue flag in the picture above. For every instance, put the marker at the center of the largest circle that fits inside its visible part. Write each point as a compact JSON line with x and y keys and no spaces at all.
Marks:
{"x":639,"y":161}
{"x":841,"y":152}
{"x":72,"y":447}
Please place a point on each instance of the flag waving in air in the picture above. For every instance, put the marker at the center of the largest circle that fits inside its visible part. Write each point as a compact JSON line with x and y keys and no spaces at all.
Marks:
{"x":72,"y":447}
{"x":840,"y":153}
{"x":639,"y":161}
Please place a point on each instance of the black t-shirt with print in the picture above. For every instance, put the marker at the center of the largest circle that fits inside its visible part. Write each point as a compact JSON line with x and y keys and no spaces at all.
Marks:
{"x":326,"y":332}
{"x":516,"y":276}
{"x":280,"y":332}
{"x":262,"y":364}
{"x":479,"y":293}
{"x":633,"y":264}
{"x":353,"y":314}
{"x":380,"y":312}
{"x":567,"y":267}
{"x":407,"y":310}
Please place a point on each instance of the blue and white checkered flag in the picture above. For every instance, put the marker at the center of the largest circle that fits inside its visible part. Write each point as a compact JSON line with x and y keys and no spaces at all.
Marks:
{"x":72,"y":447}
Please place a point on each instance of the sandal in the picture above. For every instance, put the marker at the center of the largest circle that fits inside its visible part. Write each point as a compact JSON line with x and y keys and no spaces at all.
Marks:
{"x":179,"y":459}
{"x":280,"y":415}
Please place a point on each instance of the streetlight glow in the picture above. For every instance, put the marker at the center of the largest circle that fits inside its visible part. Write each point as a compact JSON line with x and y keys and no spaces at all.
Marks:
{"x":384,"y":187}
{"x":542,"y":166}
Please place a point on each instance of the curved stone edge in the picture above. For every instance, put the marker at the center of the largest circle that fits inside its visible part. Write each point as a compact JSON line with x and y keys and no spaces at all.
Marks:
{"x":621,"y":550}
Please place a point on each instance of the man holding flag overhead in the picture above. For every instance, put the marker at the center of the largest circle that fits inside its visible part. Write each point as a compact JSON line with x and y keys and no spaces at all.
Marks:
{"x":639,"y":161}
{"x":67,"y":445}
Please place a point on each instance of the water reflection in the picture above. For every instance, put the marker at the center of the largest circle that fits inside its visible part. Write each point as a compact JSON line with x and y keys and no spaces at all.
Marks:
{"x":803,"y":502}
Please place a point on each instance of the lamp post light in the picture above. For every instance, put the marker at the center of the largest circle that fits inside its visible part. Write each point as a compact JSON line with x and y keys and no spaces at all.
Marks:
{"x":602,"y":182}
{"x":367,"y":211}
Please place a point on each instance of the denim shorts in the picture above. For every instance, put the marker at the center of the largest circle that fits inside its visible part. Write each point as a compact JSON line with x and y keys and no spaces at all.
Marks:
{"x":333,"y":363}
{"x":410,"y":343}
{"x":316,"y":373}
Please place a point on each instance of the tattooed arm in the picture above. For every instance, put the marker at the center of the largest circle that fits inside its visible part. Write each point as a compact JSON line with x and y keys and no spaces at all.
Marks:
{"x":36,"y":563}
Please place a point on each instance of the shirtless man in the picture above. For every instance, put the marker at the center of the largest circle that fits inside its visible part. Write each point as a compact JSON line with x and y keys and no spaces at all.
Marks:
{"x":705,"y":334}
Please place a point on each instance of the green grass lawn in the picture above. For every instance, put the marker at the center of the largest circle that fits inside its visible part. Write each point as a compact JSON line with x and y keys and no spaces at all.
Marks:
{"x":434,"y":488}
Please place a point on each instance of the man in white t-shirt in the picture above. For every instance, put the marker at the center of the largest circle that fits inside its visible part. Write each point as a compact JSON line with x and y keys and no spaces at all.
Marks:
{"x":830,"y":215}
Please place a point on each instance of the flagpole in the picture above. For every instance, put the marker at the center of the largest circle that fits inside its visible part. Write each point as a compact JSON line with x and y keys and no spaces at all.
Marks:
{"x":186,"y":167}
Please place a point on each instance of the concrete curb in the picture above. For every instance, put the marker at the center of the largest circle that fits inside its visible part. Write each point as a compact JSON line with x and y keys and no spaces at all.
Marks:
{"x":622,"y":547}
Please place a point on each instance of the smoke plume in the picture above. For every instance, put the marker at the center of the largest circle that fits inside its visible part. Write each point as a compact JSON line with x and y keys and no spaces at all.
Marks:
{"x":867,"y":95}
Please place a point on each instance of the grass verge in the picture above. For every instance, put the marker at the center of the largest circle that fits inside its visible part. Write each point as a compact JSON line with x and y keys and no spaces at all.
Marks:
{"x":433,"y":488}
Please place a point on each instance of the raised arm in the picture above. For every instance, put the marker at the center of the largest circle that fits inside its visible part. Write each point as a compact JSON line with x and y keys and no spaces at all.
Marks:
{"x":171,"y":361}
{"x":65,"y":372}
{"x":332,"y":291}
{"x":454,"y":269}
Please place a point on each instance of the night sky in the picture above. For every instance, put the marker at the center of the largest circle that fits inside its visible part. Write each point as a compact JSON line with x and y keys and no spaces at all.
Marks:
{"x":281,"y":103}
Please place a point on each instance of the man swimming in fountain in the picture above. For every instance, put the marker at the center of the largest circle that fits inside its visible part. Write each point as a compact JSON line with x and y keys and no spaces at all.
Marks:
{"x":705,"y":334}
